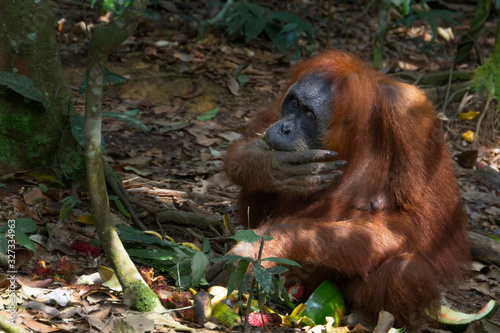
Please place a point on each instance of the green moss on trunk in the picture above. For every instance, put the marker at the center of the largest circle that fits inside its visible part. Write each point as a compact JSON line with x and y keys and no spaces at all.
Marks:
{"x":32,"y":136}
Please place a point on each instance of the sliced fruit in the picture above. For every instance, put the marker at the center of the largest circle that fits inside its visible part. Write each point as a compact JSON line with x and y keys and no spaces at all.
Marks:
{"x":456,"y":321}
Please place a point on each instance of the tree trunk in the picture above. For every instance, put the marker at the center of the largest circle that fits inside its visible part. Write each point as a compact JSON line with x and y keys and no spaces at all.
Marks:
{"x":33,"y":134}
{"x":104,"y":40}
{"x":487,"y":77}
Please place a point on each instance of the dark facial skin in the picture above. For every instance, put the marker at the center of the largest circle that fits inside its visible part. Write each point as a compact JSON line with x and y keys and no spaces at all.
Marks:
{"x":305,"y":114}
{"x":299,"y":164}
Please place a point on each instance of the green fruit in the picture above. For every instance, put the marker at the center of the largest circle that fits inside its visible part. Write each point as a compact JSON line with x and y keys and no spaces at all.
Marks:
{"x":325,"y":301}
{"x":225,"y":315}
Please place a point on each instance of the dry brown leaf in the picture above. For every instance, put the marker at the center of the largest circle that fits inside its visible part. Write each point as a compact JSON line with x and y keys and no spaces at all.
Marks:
{"x":150,"y":51}
{"x":407,"y":66}
{"x":138,"y":161}
{"x":35,"y":196}
{"x":39,"y":327}
{"x":18,"y":204}
{"x":446,"y":33}
{"x":22,"y":256}
{"x":230,"y":136}
{"x":204,"y":141}
{"x":140,"y":172}
{"x":205,"y":157}
{"x":162,"y":109}
{"x":183,"y":57}
{"x":233,"y":85}
{"x":185,"y":156}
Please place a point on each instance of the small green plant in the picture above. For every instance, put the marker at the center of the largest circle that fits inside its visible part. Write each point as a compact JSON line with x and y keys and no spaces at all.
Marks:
{"x":266,"y":282}
{"x":184,"y":265}
{"x":67,"y":204}
{"x":116,"y":7}
{"x":119,"y":205}
{"x":283,"y":28}
{"x":16,"y":231}
{"x":413,"y":11}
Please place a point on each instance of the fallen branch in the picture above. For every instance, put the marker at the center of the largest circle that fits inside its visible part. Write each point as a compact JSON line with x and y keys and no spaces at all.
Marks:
{"x":434,"y":78}
{"x":7,"y":326}
{"x":116,"y":185}
{"x":437,"y":94}
{"x":188,"y":219}
{"x":484,"y":249}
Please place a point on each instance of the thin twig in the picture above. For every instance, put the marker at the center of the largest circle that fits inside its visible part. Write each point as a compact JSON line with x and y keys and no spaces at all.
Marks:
{"x":450,"y":77}
{"x":478,"y":125}
{"x":252,"y":288}
{"x":365,"y":11}
{"x":328,"y":24}
{"x":221,"y":14}
{"x":249,"y":303}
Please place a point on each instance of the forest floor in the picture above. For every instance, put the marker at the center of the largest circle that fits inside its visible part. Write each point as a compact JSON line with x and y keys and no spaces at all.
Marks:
{"x":174,"y":79}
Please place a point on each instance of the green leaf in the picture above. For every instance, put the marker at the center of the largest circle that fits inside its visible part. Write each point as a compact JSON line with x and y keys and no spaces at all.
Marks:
{"x":182,"y":275}
{"x":113,"y":78}
{"x":247,"y":236}
{"x":151,"y":254}
{"x":279,"y":294}
{"x":243,"y":79}
{"x":119,"y":204}
{"x":3,"y":244}
{"x":282,"y":261}
{"x":255,"y":9}
{"x":263,"y":277}
{"x":272,"y":29}
{"x":268,"y":238}
{"x":198,"y":264}
{"x":397,"y":3}
{"x":78,"y":128}
{"x":23,"y":86}
{"x":127,"y":118}
{"x":128,"y":233}
{"x":83,"y":86}
{"x":277,"y":269}
{"x":132,"y":113}
{"x":68,"y":203}
{"x":290,"y":18}
{"x":244,"y":285}
{"x":406,"y":7}
{"x":43,"y":187}
{"x":433,"y":24}
{"x":24,"y":240}
{"x":289,"y":27}
{"x":2,"y":184}
{"x":208,"y":114}
{"x":236,"y":18}
{"x":231,"y":258}
{"x":25,"y":225}
{"x":291,"y":38}
{"x":283,"y":42}
{"x":237,"y":275}
{"x":254,"y":26}
{"x":297,"y":51}
{"x":109,"y":78}
{"x":205,"y":245}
